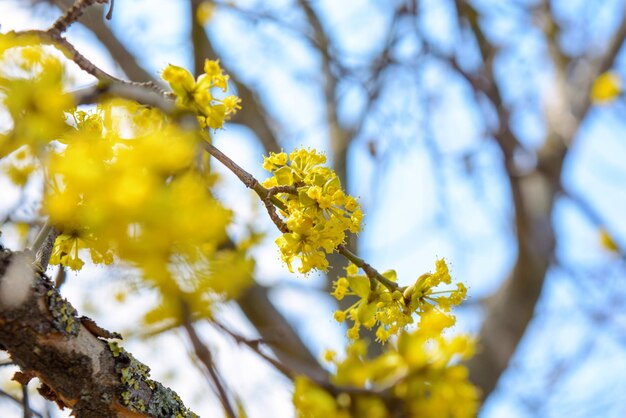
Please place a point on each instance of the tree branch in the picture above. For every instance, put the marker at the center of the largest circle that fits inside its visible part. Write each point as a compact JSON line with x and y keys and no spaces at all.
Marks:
{"x":509,"y":310}
{"x":72,"y":15}
{"x":77,"y":368}
{"x":205,"y":356}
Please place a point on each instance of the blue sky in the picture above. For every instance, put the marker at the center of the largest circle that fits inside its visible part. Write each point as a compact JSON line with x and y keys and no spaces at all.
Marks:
{"x":438,"y":188}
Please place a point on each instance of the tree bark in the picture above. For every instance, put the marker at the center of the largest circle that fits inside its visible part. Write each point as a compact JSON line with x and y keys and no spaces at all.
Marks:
{"x":77,"y":363}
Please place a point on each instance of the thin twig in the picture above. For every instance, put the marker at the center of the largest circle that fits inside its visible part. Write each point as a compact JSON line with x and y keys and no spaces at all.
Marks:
{"x":271,"y":211}
{"x":71,"y":53}
{"x":41,"y":238}
{"x":271,"y":208}
{"x":18,"y":402}
{"x":370,"y":271}
{"x":42,"y":257}
{"x":255,"y":344}
{"x":71,"y":15}
{"x":43,"y":244}
{"x":205,"y":356}
{"x":25,"y":402}
{"x":109,"y":15}
{"x":591,"y":213}
{"x":246,"y":178}
{"x":59,"y":280}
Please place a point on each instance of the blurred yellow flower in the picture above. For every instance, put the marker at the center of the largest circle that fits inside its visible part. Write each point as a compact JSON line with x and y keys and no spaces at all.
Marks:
{"x":607,"y":242}
{"x":607,"y":87}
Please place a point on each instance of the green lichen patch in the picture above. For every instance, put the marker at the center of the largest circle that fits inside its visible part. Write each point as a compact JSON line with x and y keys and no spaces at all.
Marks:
{"x":64,"y":315}
{"x":166,"y":403}
{"x":142,"y":394}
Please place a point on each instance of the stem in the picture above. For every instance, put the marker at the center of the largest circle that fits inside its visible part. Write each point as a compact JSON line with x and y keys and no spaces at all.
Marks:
{"x":25,"y":402}
{"x":43,"y":245}
{"x":370,"y":271}
{"x":246,"y":178}
{"x":254,"y":346}
{"x":40,"y":239}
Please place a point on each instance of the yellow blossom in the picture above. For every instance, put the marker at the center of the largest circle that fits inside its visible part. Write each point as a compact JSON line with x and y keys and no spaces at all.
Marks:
{"x":315,"y":212}
{"x":606,"y":87}
{"x":32,"y":95}
{"x":196,"y":96}
{"x":607,"y":241}
{"x":205,"y":12}
{"x":340,"y":316}
{"x":390,"y":309}
{"x":420,"y":369}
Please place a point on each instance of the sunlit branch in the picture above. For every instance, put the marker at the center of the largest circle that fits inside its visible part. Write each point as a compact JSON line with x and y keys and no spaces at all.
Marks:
{"x":68,"y":49}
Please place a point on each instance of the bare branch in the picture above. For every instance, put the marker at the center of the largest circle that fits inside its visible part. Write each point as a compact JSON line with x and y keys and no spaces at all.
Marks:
{"x":205,"y":356}
{"x":74,"y":55}
{"x":72,"y":15}
{"x":17,"y":401}
{"x":603,"y":64}
{"x":27,"y":413}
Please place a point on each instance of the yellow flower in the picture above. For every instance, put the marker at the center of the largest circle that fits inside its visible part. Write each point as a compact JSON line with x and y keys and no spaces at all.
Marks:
{"x":32,"y":95}
{"x":390,"y":309}
{"x":316,"y":213}
{"x":607,"y":241}
{"x":65,"y":252}
{"x":232,"y":104}
{"x":196,"y":96}
{"x":144,"y":203}
{"x":180,"y":80}
{"x":340,"y":316}
{"x":313,"y":402}
{"x":606,"y":87}
{"x":329,"y":355}
{"x":420,"y":369}
{"x":205,"y":12}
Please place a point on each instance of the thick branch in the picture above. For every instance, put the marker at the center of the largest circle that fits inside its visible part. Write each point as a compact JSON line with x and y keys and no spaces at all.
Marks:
{"x":77,"y":367}
{"x":511,"y":308}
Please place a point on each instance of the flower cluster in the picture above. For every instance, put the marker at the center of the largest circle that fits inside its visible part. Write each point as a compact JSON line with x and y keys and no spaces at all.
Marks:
{"x":19,"y":165}
{"x":196,"y":95}
{"x":419,"y":372}
{"x":113,"y":190}
{"x":316,"y":210}
{"x":392,"y":308}
{"x":67,"y":245}
{"x":31,"y":92}
{"x":124,"y":181}
{"x":119,"y":185}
